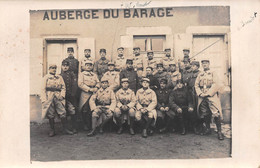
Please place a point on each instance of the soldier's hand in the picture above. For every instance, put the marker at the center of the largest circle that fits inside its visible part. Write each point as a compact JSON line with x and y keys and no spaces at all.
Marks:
{"x":166,"y":108}
{"x":142,"y":110}
{"x":179,"y":110}
{"x":161,"y":108}
{"x":95,"y":89}
{"x":202,"y":95}
{"x":190,"y":109}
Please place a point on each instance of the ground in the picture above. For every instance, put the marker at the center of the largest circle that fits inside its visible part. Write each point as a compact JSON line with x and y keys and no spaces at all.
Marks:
{"x":112,"y":146}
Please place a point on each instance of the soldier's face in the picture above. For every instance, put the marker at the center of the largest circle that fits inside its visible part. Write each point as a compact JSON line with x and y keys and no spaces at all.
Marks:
{"x":136,"y":51}
{"x":104,"y":85}
{"x":52,"y":70}
{"x":145,"y":84}
{"x":87,"y":52}
{"x":205,"y":65}
{"x":88,"y":67}
{"x":179,"y":85}
{"x":172,"y":67}
{"x":186,"y":64}
{"x":120,"y":51}
{"x":168,"y":53}
{"x":111,"y":67}
{"x":103,"y":54}
{"x":194,"y":67}
{"x":129,"y":65}
{"x":65,"y":68}
{"x":160,"y":69}
{"x":70,"y":53}
{"x":186,"y":53}
{"x":150,"y":56}
{"x":149,"y":71}
{"x":125,"y":85}
{"x":162,"y":85}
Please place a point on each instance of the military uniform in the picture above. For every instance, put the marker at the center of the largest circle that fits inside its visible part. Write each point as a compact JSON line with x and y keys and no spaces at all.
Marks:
{"x":101,"y":67}
{"x":151,"y":63}
{"x":131,"y":75}
{"x":113,"y":78}
{"x":103,"y":104}
{"x":181,"y":98}
{"x":53,"y":100}
{"x":120,"y":63}
{"x":84,"y":60}
{"x":74,"y":64}
{"x":125,"y":97}
{"x":207,"y":87}
{"x":173,"y":76}
{"x":186,"y":75}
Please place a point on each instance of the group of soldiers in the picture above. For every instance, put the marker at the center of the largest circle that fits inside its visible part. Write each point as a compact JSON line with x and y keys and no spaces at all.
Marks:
{"x":139,"y":93}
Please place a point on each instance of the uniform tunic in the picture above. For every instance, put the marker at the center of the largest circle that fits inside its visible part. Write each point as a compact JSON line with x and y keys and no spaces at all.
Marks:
{"x":174,"y":76}
{"x":137,"y":62}
{"x":84,"y":60}
{"x":207,"y":82}
{"x":74,"y":64}
{"x":163,"y":75}
{"x":87,"y":80}
{"x":151,"y":63}
{"x":154,"y":82}
{"x":163,"y":101}
{"x":120,"y":63}
{"x":101,"y":67}
{"x":131,"y":75}
{"x":166,"y":61}
{"x":186,"y":74}
{"x":53,"y":90}
{"x":146,"y":99}
{"x":113,"y":79}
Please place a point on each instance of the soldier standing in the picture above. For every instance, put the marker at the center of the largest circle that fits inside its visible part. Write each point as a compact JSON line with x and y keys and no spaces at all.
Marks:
{"x":112,"y":76}
{"x":88,"y":82}
{"x":154,"y":83}
{"x":138,"y":59}
{"x":121,"y":60}
{"x":181,"y":103}
{"x":125,"y":108}
{"x":130,"y":74}
{"x":207,"y":87}
{"x":74,"y":63}
{"x":87,"y":57}
{"x":173,"y":74}
{"x":167,"y":59}
{"x":161,"y":74}
{"x":70,"y":81}
{"x":146,"y":104}
{"x":187,"y":72}
{"x":165,"y":115}
{"x":53,"y":99}
{"x":103,"y":104}
{"x":101,"y":66}
{"x":186,"y":52}
{"x":150,"y":62}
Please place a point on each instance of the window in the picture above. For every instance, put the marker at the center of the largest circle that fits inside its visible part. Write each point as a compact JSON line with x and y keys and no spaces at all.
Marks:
{"x":154,"y":43}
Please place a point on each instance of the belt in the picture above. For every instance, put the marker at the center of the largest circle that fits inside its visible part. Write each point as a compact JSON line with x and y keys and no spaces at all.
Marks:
{"x":144,"y":105}
{"x":91,"y":86}
{"x":53,"y":89}
{"x":103,"y":104}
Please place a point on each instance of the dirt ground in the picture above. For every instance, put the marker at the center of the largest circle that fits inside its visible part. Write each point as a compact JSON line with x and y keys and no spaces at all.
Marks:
{"x":112,"y":146}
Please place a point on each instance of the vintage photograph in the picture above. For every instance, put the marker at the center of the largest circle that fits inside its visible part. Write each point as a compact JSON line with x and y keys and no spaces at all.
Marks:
{"x":135,"y":82}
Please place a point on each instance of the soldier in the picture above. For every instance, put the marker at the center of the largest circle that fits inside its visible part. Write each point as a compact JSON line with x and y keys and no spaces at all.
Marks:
{"x":186,"y":52}
{"x":125,"y":109}
{"x":187,"y":72}
{"x":88,"y":82}
{"x":87,"y":57}
{"x":167,"y":59}
{"x":164,"y":113}
{"x":150,"y":62}
{"x":101,"y":66}
{"x":138,"y":59}
{"x":130,"y":74}
{"x":70,"y":81}
{"x":146,"y":104}
{"x":173,"y":74}
{"x":112,"y":76}
{"x":53,"y":99}
{"x":74,"y":63}
{"x":154,"y":83}
{"x":120,"y":61}
{"x":195,"y":71}
{"x":102,"y":103}
{"x":181,"y":103}
{"x":207,"y":87}
{"x":161,"y":74}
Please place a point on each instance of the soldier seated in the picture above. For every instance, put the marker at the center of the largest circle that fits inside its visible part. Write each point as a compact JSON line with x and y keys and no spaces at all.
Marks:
{"x":125,"y":109}
{"x":146,"y":103}
{"x":102,"y":105}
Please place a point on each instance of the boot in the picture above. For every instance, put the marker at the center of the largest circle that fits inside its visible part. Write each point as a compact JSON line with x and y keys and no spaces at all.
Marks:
{"x":131,"y":130}
{"x":65,"y":126}
{"x":147,"y":125}
{"x":218,"y":124}
{"x":74,"y":124}
{"x":144,"y":134}
{"x":168,"y":121}
{"x":183,"y":130}
{"x":102,"y":125}
{"x":52,"y":131}
{"x":94,"y":125}
{"x":84,"y":119}
{"x":207,"y":129}
{"x":119,"y":123}
{"x":198,"y":127}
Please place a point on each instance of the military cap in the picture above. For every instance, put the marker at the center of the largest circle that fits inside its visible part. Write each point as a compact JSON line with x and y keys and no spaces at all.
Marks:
{"x":186,"y":49}
{"x":150,"y":68}
{"x":104,"y":79}
{"x":129,"y":61}
{"x":197,"y":63}
{"x":205,"y":60}
{"x":146,"y":79}
{"x":70,"y":49}
{"x":65,"y":62}
{"x":87,"y":49}
{"x":140,"y":68}
{"x":102,"y":50}
{"x":136,"y":48}
{"x":172,"y":63}
{"x":111,"y":63}
{"x":89,"y":62}
{"x":160,"y":64}
{"x":167,"y":49}
{"x":52,"y":66}
{"x":120,"y":48}
{"x":164,"y":80}
{"x":124,"y":80}
{"x":150,"y":51}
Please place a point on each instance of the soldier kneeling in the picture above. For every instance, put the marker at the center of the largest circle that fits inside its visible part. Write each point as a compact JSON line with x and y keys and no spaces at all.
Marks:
{"x":102,"y":103}
{"x":125,"y":109}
